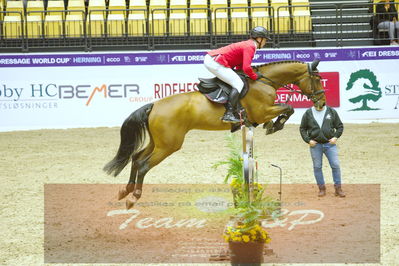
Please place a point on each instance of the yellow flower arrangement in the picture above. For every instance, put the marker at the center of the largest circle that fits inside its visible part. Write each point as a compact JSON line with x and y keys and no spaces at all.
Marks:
{"x":243,"y":233}
{"x":246,"y":226}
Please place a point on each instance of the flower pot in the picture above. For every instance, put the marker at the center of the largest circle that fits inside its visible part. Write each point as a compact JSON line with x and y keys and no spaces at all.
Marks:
{"x":250,"y":252}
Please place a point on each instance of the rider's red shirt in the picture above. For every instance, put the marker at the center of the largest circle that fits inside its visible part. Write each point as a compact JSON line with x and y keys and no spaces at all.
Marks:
{"x":237,"y":55}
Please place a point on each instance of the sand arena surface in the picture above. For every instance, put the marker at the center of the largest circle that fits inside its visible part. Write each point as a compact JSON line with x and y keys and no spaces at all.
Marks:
{"x":368,"y":155}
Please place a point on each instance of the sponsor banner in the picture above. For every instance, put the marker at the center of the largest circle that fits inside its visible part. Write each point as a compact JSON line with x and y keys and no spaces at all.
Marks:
{"x":194,"y":57}
{"x":184,"y":223}
{"x":330,"y":82}
{"x":369,"y":90}
{"x":93,"y":96}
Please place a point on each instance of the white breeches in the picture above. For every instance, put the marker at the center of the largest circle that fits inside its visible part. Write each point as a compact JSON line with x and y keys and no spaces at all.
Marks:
{"x":224,"y":73}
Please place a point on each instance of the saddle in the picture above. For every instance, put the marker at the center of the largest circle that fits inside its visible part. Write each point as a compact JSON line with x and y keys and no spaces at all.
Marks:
{"x":218,"y":91}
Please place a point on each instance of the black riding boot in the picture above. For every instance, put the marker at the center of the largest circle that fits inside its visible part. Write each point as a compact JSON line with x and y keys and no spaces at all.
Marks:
{"x":232,"y":107}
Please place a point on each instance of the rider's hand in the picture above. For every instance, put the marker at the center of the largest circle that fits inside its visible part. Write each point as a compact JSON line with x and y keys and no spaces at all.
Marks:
{"x":312,"y":143}
{"x":333,"y":141}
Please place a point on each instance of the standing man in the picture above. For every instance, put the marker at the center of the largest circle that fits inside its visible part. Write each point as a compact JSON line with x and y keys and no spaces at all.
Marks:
{"x":320,"y":128}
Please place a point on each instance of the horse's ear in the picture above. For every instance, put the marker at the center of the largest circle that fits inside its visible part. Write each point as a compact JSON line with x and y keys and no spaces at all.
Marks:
{"x":314,"y":64}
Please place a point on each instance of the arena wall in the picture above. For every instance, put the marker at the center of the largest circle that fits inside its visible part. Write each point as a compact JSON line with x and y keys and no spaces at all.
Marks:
{"x":101,"y":89}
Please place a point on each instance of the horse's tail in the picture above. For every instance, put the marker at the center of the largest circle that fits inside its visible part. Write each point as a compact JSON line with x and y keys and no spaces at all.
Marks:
{"x":133,"y":133}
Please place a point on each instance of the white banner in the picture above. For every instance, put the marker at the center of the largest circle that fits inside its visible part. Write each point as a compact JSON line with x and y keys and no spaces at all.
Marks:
{"x":94,"y":96}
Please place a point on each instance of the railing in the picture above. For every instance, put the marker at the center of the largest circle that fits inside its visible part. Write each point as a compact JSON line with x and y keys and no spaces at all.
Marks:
{"x":298,"y":26}
{"x":13,"y":35}
{"x":175,"y":28}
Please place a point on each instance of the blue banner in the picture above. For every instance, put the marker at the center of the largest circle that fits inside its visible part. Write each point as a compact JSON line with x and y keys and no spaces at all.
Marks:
{"x":193,"y":57}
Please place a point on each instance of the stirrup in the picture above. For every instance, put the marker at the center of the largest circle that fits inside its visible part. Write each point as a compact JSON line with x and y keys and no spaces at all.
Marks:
{"x":230,"y":118}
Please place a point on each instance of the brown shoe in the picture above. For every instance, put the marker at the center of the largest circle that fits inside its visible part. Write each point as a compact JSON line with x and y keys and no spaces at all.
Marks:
{"x":339,"y":192}
{"x":322,"y":190}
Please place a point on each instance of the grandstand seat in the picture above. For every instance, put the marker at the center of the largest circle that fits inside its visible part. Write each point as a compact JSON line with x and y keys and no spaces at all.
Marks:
{"x":299,"y":5}
{"x":277,"y":3}
{"x":282,"y":21}
{"x":33,"y":7}
{"x":219,"y":16}
{"x":34,"y":26}
{"x":281,"y":16}
{"x":76,"y":5}
{"x":15,"y":6}
{"x":136,"y":24}
{"x":12,"y":27}
{"x":239,"y":17}
{"x":95,"y":25}
{"x":116,"y":25}
{"x":157,"y":17}
{"x":178,"y":17}
{"x":260,"y":13}
{"x":137,"y":18}
{"x":198,"y":4}
{"x":137,"y":4}
{"x":53,"y":26}
{"x":56,"y":5}
{"x":74,"y":25}
{"x":198,"y":17}
{"x":302,"y":21}
{"x":1,"y":9}
{"x":259,"y":3}
{"x":98,"y":6}
{"x":118,"y":5}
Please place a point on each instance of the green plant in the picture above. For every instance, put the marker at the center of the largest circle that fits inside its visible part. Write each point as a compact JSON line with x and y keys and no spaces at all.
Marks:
{"x":234,"y":161}
{"x":245,"y":224}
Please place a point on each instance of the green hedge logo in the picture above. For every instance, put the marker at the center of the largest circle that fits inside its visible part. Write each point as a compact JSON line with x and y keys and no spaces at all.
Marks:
{"x":363,"y":79}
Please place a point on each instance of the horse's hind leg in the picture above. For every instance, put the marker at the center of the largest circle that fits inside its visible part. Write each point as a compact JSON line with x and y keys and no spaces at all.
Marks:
{"x":160,"y":152}
{"x":123,"y":192}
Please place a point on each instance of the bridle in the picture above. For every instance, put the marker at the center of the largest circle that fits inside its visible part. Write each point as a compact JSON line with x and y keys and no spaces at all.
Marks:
{"x":314,"y":96}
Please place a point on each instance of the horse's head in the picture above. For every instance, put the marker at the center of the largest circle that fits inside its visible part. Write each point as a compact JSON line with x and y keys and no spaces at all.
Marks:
{"x":310,"y":85}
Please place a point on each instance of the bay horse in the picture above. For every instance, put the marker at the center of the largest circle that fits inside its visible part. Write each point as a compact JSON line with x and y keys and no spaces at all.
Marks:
{"x":167,"y":121}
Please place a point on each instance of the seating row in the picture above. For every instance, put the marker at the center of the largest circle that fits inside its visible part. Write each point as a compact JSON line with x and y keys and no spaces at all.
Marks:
{"x":56,"y":21}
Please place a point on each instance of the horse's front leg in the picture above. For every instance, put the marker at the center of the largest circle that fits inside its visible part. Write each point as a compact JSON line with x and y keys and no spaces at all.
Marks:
{"x":283,"y":111}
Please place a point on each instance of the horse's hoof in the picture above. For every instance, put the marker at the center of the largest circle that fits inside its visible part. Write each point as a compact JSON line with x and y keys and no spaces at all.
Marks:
{"x":269,"y":127}
{"x":122,"y":193}
{"x":130,"y":203}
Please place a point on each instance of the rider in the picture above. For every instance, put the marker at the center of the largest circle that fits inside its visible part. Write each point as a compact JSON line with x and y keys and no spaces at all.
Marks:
{"x":221,"y":62}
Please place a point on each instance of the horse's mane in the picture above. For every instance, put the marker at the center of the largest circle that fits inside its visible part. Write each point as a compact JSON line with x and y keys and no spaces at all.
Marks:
{"x":279,"y":62}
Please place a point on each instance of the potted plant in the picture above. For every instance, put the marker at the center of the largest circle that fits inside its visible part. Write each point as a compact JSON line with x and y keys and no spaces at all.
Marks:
{"x":244,"y":231}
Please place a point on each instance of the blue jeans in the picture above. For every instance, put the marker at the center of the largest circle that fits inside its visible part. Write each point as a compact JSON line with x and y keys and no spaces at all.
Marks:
{"x":390,"y":26}
{"x":331,"y":151}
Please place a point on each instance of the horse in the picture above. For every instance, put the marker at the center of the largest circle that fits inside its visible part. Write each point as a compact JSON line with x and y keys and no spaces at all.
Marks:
{"x":166,"y":122}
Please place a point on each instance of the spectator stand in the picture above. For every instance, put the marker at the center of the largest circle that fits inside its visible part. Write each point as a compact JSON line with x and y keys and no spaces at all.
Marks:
{"x":183,"y":24}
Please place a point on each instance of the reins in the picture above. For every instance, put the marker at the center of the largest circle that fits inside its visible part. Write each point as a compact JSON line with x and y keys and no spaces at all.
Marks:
{"x":280,"y":85}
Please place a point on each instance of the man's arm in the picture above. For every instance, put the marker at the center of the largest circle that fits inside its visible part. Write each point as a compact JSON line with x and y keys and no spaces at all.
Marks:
{"x":338,"y":125}
{"x":303,"y":128}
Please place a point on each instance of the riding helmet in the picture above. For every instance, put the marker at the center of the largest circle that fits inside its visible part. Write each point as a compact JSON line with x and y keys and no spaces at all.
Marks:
{"x":259,"y":31}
